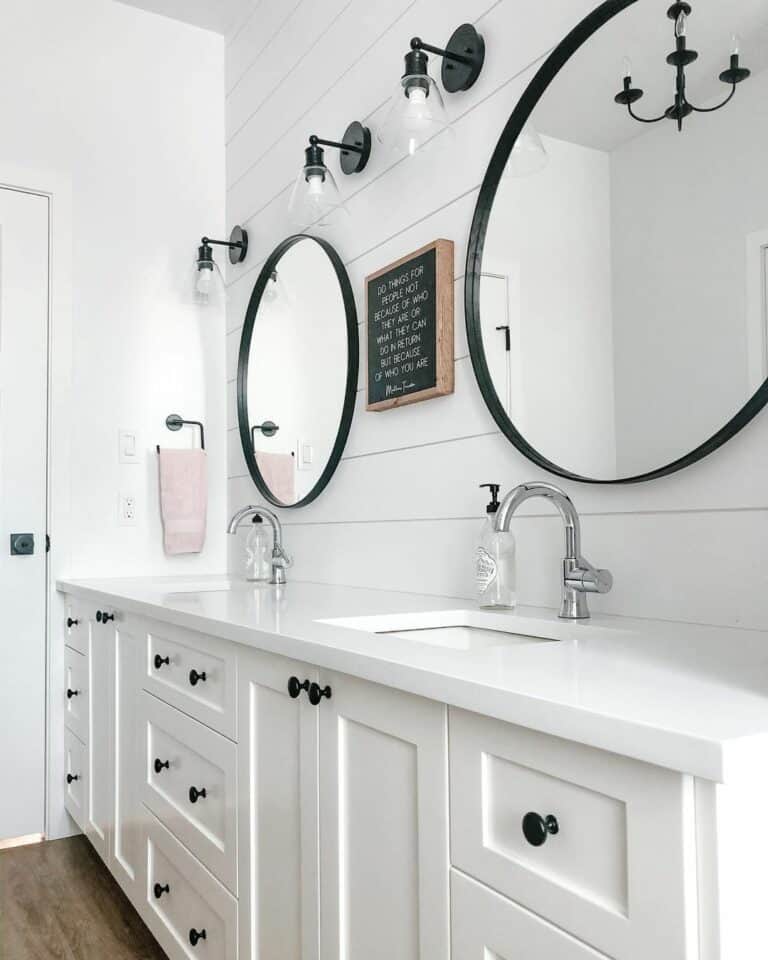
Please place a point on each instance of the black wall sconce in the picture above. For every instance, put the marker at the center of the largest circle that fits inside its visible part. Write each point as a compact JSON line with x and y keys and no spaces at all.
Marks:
{"x":315,"y":195}
{"x":207,"y":273}
{"x":417,"y":111}
{"x":680,"y":58}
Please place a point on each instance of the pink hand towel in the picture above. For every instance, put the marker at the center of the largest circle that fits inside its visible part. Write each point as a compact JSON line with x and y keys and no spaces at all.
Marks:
{"x":279,"y":474}
{"x":183,"y":499}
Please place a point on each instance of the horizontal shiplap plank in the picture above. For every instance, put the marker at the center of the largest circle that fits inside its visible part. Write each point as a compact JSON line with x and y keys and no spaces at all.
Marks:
{"x":259,"y":30}
{"x":675,"y":569}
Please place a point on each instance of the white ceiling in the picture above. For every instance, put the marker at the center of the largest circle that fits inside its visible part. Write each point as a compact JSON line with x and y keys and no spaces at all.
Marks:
{"x":221,"y":16}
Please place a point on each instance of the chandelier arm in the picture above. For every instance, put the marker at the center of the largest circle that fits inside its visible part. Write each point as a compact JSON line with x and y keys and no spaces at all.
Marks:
{"x":644,"y":119}
{"x":713,"y":109}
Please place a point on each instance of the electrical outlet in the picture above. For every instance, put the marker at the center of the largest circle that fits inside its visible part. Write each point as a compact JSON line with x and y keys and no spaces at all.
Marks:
{"x":127,"y":510}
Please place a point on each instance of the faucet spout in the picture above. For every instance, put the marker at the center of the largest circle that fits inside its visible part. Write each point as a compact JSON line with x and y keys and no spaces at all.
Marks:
{"x":280,"y":559}
{"x":579,"y":576}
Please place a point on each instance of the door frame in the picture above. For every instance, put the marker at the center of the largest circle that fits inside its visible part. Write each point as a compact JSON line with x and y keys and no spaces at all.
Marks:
{"x":56,"y":186}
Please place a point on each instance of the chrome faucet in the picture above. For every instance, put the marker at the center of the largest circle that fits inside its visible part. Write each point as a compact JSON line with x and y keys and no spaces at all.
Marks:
{"x":280,"y":559}
{"x":579,"y":576}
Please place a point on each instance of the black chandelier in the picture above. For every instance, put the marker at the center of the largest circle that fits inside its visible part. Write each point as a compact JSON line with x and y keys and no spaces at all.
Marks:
{"x":680,"y":58}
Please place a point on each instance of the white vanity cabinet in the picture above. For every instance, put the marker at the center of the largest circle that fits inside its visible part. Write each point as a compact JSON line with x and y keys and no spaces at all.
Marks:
{"x":344,"y":825}
{"x":272,"y":809}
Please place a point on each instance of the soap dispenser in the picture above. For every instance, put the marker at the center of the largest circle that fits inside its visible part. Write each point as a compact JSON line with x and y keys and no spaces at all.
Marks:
{"x":258,"y":549}
{"x":495,"y":559}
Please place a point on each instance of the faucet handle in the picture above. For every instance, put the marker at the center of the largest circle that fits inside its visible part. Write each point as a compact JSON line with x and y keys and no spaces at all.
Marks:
{"x":280,"y":558}
{"x":588,"y":579}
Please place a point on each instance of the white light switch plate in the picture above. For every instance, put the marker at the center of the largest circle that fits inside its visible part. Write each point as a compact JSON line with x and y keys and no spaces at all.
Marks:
{"x":128,"y":446}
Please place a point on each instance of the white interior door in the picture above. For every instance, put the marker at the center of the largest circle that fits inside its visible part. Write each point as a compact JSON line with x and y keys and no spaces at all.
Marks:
{"x":23,"y":490}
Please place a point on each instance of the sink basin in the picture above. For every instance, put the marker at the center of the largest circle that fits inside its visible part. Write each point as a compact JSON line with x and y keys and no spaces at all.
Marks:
{"x":465,"y":630}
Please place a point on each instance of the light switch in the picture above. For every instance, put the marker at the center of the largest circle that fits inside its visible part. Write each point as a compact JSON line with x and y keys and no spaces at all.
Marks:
{"x":306,"y":455}
{"x":128,"y":446}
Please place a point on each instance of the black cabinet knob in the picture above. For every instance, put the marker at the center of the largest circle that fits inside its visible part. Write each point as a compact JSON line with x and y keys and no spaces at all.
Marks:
{"x":536,"y":828}
{"x":159,"y":661}
{"x":195,"y":936}
{"x":195,"y":677}
{"x":159,"y":890}
{"x":72,"y":623}
{"x":72,"y":693}
{"x":159,"y":765}
{"x":195,"y":794}
{"x":71,"y":777}
{"x":316,"y":693}
{"x":103,"y":617}
{"x":295,"y":687}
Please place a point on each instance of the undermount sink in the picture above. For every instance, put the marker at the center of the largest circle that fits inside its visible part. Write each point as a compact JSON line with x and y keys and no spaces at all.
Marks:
{"x":465,"y":630}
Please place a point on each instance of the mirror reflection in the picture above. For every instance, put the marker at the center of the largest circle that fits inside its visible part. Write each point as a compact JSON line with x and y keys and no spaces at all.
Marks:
{"x":625,"y":267}
{"x":295,"y":371}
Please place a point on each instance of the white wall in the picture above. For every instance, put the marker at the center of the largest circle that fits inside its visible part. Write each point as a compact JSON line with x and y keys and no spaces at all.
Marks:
{"x":404,"y":511}
{"x":127,"y":106}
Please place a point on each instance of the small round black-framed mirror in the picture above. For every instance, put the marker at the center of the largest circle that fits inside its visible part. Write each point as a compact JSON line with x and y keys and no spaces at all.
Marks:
{"x":297,"y":371}
{"x":736,"y":410}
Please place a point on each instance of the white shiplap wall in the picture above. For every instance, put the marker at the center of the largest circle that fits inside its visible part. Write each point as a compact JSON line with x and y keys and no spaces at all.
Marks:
{"x":404,"y":511}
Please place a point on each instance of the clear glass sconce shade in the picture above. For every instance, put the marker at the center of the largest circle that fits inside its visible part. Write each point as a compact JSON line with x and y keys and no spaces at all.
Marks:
{"x":315,"y":197}
{"x":208,"y":284}
{"x":529,"y":156}
{"x":415,"y":115}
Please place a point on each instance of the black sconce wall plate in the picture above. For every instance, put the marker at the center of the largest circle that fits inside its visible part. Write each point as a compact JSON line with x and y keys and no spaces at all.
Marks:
{"x":458,"y":75}
{"x":356,"y":148}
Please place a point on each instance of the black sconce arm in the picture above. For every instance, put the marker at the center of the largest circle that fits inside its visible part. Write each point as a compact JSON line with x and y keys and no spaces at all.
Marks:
{"x":418,"y":44}
{"x":355,"y":147}
{"x":237,"y":244}
{"x":320,"y":142}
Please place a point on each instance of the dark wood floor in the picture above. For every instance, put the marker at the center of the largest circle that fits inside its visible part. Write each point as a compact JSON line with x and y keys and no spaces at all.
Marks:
{"x":59,"y":902}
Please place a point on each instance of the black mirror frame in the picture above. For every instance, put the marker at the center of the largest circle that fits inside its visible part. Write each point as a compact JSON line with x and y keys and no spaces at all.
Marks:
{"x":353,"y":363}
{"x":552,"y":66}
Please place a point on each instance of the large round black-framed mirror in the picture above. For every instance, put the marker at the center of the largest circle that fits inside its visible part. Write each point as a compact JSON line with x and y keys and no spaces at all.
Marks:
{"x":298,"y":361}
{"x":518,"y":127}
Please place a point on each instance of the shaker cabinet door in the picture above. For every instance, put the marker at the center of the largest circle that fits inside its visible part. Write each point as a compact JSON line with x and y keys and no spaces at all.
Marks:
{"x":383,"y":823}
{"x":277,"y":822}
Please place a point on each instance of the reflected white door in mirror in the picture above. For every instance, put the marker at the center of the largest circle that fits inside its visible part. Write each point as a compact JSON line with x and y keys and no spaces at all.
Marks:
{"x":285,"y":784}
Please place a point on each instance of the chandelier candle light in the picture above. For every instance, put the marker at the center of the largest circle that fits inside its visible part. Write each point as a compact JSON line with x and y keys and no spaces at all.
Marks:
{"x":680,"y":58}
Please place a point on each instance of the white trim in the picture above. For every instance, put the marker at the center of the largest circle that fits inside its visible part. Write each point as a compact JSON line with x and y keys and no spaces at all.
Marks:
{"x":757,"y":309}
{"x":57,"y":187}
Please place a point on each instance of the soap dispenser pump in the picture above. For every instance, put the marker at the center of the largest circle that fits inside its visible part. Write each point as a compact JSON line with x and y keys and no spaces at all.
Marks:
{"x":495,"y":559}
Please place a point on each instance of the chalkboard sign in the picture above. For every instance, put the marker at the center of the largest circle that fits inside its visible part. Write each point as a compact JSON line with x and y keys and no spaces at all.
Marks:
{"x":410,"y":328}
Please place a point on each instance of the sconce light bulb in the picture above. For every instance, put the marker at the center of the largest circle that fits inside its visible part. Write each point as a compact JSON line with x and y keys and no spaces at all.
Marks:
{"x":417,"y":95}
{"x":735,"y":45}
{"x":681,"y":25}
{"x":204,"y":280}
{"x":627,"y":68}
{"x":315,"y":185}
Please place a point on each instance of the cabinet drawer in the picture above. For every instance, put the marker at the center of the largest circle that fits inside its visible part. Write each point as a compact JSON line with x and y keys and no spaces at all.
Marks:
{"x":76,"y":774}
{"x":487,"y":926}
{"x":195,"y":796}
{"x":617,"y":868}
{"x":195,"y":673}
{"x":75,"y":625}
{"x":182,"y":897}
{"x":75,"y":692}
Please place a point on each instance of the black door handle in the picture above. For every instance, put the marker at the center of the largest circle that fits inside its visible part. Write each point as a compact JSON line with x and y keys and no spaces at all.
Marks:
{"x":295,"y":687}
{"x":159,"y":765}
{"x":194,"y":936}
{"x":160,"y":890}
{"x":195,"y":794}
{"x":72,"y":693}
{"x":195,"y":677}
{"x":316,"y":693}
{"x":536,"y":828}
{"x":159,"y":661}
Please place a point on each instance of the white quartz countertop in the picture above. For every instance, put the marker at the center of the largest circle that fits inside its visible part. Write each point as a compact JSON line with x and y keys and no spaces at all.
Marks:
{"x":691,"y":698}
